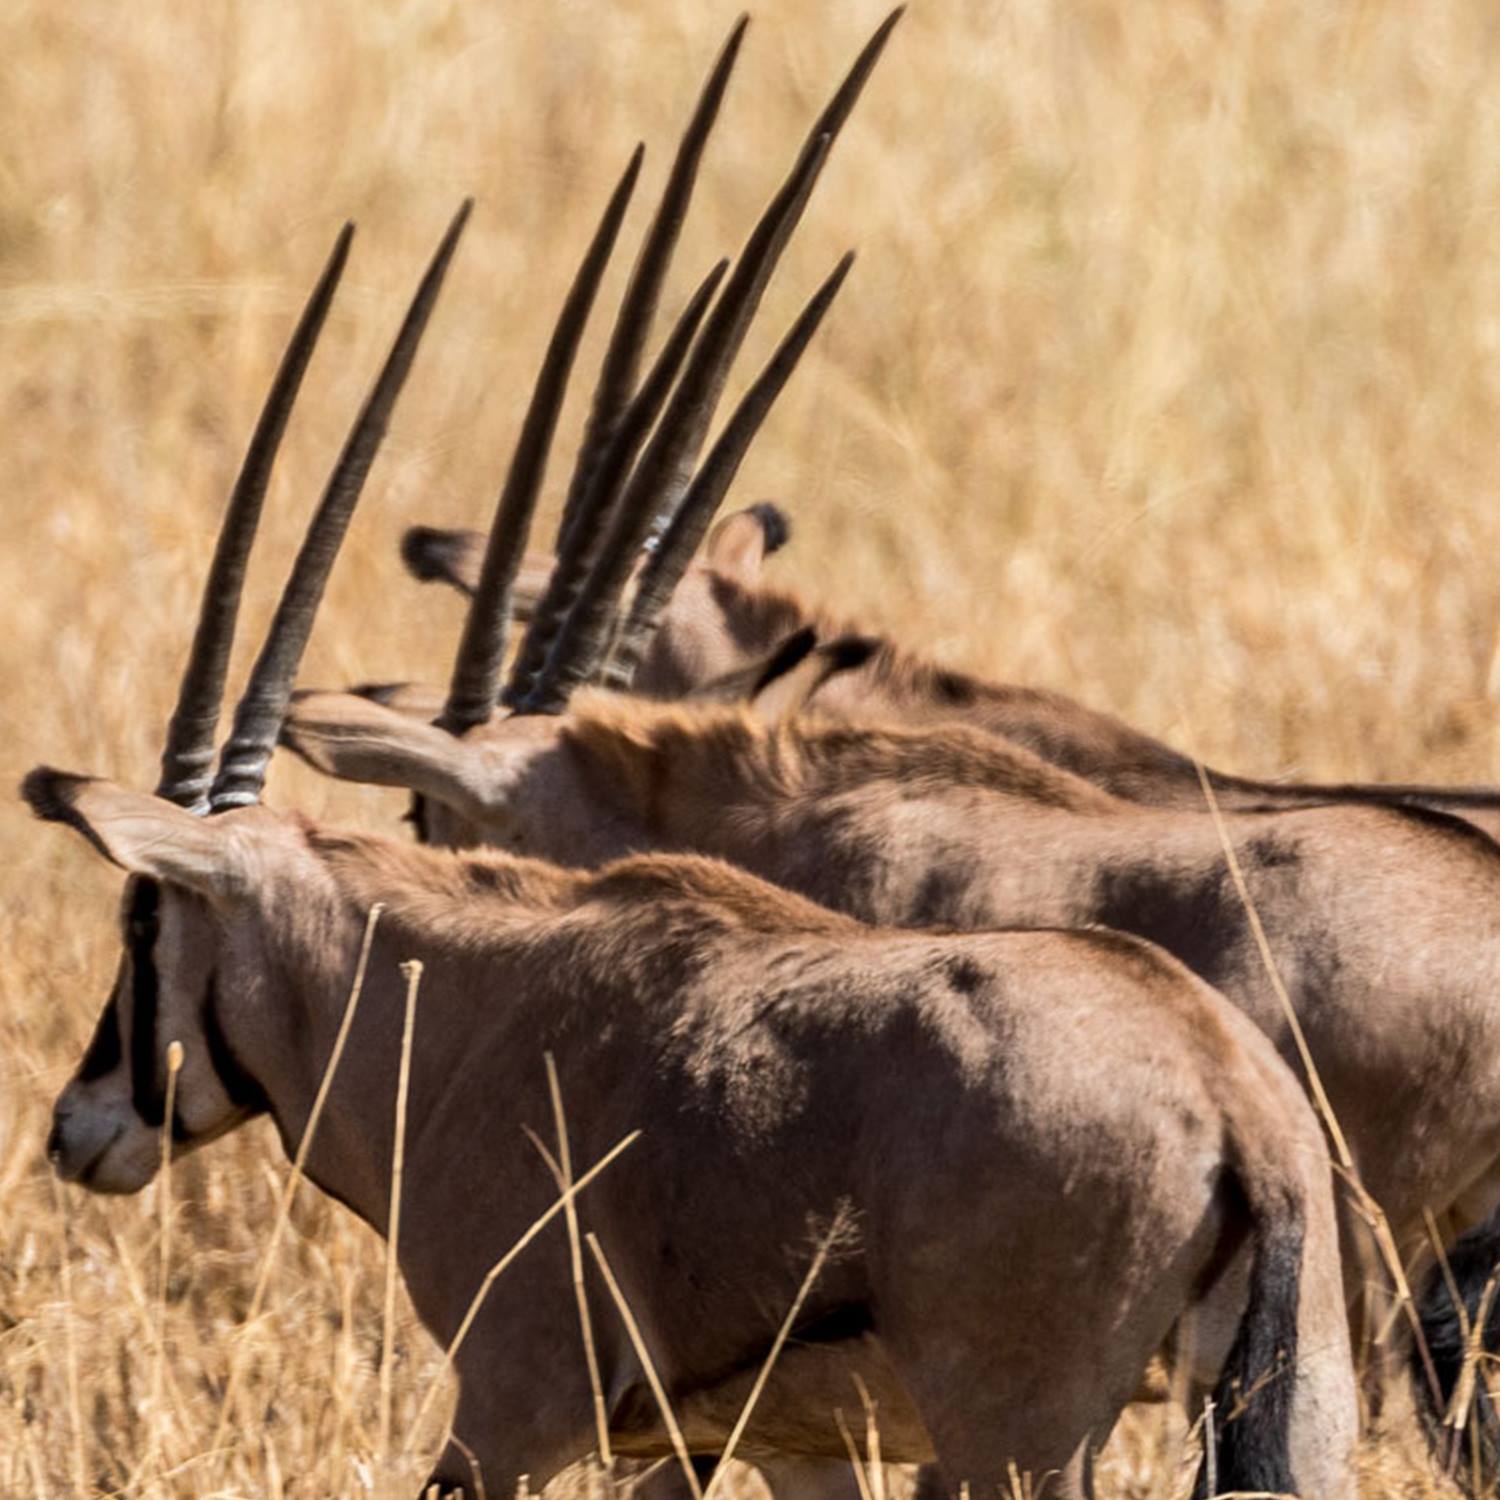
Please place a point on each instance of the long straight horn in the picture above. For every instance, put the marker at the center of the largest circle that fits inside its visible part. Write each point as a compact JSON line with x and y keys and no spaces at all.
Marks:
{"x":669,"y":562}
{"x":661,"y":476}
{"x":187,"y":760}
{"x":622,"y":359}
{"x":257,"y":719}
{"x":481,"y":651}
{"x":581,"y":552}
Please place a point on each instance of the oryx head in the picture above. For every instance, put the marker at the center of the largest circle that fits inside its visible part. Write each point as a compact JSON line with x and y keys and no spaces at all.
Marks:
{"x":196,"y":850}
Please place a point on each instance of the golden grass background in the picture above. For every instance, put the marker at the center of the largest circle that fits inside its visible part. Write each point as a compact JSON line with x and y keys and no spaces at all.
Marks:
{"x":1169,"y":375}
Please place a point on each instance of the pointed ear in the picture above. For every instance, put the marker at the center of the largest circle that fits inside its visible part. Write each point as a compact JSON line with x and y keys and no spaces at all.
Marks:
{"x":356,"y":739}
{"x":433,"y":554}
{"x":790,"y":679}
{"x":414,"y":699}
{"x":740,"y":543}
{"x":143,"y":834}
{"x":456,"y":557}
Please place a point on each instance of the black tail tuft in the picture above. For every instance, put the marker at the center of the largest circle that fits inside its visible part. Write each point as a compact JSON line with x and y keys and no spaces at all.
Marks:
{"x":1472,"y":1260}
{"x":773,"y":523}
{"x":1253,"y":1401}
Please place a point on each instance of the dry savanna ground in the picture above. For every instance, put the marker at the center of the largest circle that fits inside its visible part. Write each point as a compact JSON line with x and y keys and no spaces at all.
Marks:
{"x":1169,"y":375}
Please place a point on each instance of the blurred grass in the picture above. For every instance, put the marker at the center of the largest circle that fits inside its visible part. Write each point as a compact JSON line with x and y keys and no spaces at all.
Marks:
{"x":1169,"y":375}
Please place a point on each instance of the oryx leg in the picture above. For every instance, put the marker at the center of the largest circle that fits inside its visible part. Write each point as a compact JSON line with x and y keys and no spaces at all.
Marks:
{"x":1473,"y":1268}
{"x":510,"y":1422}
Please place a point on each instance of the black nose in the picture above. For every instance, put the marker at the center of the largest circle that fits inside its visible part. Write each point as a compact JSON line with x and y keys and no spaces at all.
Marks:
{"x":55,"y":1140}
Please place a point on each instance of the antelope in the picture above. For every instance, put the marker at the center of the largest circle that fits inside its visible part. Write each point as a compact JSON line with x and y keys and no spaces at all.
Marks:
{"x":724,"y":620}
{"x":750,"y":1036}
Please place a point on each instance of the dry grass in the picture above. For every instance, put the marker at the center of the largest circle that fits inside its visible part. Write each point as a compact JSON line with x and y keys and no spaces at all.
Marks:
{"x":1169,"y":375}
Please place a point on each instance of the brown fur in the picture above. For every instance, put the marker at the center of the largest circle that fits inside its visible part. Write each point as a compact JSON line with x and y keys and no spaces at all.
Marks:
{"x":950,"y":826}
{"x":469,"y":899}
{"x":1384,"y":923}
{"x":787,"y":760}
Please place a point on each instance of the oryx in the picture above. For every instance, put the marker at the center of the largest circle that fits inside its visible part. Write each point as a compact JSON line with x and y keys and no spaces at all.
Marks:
{"x":1052,"y":1145}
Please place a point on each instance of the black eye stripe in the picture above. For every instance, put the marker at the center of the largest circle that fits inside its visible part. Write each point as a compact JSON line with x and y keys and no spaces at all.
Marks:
{"x":105,"y":1052}
{"x":147,"y":1080}
{"x":416,"y":815}
{"x":141,"y":929}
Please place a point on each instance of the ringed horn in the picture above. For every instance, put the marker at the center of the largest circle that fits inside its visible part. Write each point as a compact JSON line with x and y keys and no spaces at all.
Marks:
{"x":190,"y":738}
{"x":615,"y":499}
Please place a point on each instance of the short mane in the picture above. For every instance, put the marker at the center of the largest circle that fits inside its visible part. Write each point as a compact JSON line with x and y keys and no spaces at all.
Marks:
{"x":776,"y":614}
{"x":809,"y":755}
{"x":469,"y":894}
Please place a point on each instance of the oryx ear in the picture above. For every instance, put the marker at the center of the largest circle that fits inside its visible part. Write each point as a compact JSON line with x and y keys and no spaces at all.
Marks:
{"x":433,"y":554}
{"x":356,"y":739}
{"x":414,"y":699}
{"x":143,"y":834}
{"x":740,"y":543}
{"x":456,"y":557}
{"x":791,"y":677}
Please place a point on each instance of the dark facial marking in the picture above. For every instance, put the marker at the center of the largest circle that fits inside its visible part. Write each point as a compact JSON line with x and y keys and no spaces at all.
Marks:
{"x":141,"y":928}
{"x":104,"y":1050}
{"x":416,"y":815}
{"x":242,"y":1089}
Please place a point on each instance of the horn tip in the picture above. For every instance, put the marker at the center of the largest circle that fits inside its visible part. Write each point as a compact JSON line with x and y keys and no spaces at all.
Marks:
{"x":841,"y":270}
{"x":460,"y":218}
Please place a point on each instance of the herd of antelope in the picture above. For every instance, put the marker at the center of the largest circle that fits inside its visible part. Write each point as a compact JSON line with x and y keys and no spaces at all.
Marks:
{"x":1119,"y":1072}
